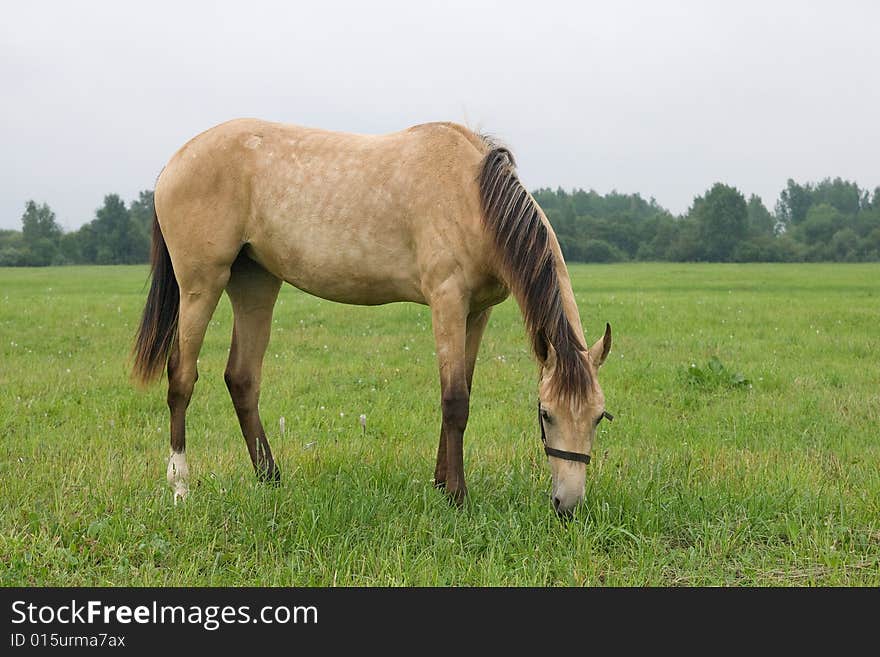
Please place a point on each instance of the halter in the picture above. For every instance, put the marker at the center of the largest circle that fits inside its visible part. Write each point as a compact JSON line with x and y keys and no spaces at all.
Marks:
{"x":562,"y":454}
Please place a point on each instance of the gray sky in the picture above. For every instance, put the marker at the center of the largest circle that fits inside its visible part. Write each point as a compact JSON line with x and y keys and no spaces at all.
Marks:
{"x":660,"y":98}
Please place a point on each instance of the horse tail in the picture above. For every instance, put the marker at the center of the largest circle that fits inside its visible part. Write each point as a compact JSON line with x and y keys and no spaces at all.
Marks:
{"x":158,"y":326}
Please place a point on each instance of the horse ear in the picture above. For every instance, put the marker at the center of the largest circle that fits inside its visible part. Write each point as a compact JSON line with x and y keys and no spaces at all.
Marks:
{"x":599,"y":351}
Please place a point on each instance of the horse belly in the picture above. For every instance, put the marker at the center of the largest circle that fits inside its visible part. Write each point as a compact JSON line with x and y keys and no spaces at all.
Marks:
{"x":341,"y":265}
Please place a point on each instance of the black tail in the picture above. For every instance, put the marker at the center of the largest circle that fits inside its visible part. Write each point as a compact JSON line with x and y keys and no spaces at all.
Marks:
{"x":159,"y":322}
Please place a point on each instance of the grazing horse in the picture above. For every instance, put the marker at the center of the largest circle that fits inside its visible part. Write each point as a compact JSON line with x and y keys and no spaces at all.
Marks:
{"x":434,"y":214}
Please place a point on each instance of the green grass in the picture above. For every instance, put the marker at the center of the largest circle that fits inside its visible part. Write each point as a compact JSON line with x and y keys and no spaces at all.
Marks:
{"x":761,"y":469}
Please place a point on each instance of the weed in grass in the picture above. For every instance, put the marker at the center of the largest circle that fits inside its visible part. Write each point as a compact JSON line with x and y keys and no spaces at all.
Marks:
{"x":714,"y":375}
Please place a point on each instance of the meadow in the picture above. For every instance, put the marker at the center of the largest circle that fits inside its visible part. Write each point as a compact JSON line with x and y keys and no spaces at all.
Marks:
{"x":744,"y":451}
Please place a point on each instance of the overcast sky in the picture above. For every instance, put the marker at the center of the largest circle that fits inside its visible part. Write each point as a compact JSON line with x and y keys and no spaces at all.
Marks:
{"x":660,"y":98}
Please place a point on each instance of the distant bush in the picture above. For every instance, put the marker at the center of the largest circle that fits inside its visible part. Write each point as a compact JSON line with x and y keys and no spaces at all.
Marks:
{"x":601,"y":251}
{"x":12,"y":257}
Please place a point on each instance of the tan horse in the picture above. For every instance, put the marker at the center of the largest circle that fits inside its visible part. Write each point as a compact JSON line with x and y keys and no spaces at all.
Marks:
{"x":434,"y":214}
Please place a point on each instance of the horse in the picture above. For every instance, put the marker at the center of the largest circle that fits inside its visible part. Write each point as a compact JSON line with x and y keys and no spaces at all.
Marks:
{"x":434,"y":214}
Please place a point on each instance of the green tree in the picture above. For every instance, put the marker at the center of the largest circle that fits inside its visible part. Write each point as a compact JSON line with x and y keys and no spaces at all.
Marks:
{"x":870,"y":245}
{"x":601,"y":251}
{"x":761,"y":222}
{"x":657,"y":236}
{"x":38,"y":222}
{"x":843,"y":195}
{"x":722,"y":216}
{"x":845,"y":245}
{"x":12,"y":249}
{"x":70,"y":247}
{"x":85,"y":244}
{"x":820,"y":224}
{"x":794,"y":202}
{"x":686,"y":245}
{"x":113,"y":237}
{"x":141,"y":212}
{"x":41,"y":235}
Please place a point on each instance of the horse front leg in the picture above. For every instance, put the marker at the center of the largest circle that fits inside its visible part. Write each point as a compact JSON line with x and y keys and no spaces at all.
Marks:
{"x":449,"y":319}
{"x":476,"y":324}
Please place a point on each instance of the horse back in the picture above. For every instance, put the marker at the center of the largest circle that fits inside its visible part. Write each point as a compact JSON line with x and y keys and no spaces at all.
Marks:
{"x":353,"y":218}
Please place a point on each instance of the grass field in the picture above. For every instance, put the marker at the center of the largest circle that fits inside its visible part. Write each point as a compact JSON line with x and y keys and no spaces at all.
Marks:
{"x":745,"y":447}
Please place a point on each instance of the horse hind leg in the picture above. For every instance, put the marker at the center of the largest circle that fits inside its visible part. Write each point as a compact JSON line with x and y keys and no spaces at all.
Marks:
{"x":252,"y":291}
{"x":198,"y":299}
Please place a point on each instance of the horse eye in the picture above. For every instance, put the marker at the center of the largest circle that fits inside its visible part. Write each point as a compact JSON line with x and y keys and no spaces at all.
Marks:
{"x":546,"y":416}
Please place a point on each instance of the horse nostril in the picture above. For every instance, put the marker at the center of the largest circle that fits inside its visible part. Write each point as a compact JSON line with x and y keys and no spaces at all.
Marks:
{"x":561,"y":512}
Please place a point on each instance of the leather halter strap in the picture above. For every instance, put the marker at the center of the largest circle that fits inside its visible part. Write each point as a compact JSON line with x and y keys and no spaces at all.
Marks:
{"x":559,"y":453}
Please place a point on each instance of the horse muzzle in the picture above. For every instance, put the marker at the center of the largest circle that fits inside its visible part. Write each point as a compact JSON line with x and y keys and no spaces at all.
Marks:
{"x":565,"y":499}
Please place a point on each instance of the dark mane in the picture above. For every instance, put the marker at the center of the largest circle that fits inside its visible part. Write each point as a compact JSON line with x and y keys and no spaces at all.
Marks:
{"x":523,"y":248}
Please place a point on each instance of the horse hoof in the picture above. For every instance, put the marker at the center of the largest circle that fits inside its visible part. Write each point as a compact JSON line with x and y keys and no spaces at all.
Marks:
{"x":456,"y":497}
{"x":180,"y":495}
{"x":177,"y":475}
{"x":272,"y":477}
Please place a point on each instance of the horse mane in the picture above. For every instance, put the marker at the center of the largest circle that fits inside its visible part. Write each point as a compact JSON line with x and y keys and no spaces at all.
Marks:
{"x":522,"y":241}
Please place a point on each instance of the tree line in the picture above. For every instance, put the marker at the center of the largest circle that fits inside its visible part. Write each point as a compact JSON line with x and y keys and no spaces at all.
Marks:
{"x":118,"y":235}
{"x":832,"y":220}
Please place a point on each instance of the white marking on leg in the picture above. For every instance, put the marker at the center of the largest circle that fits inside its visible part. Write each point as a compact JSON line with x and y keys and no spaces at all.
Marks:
{"x":178,"y":475}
